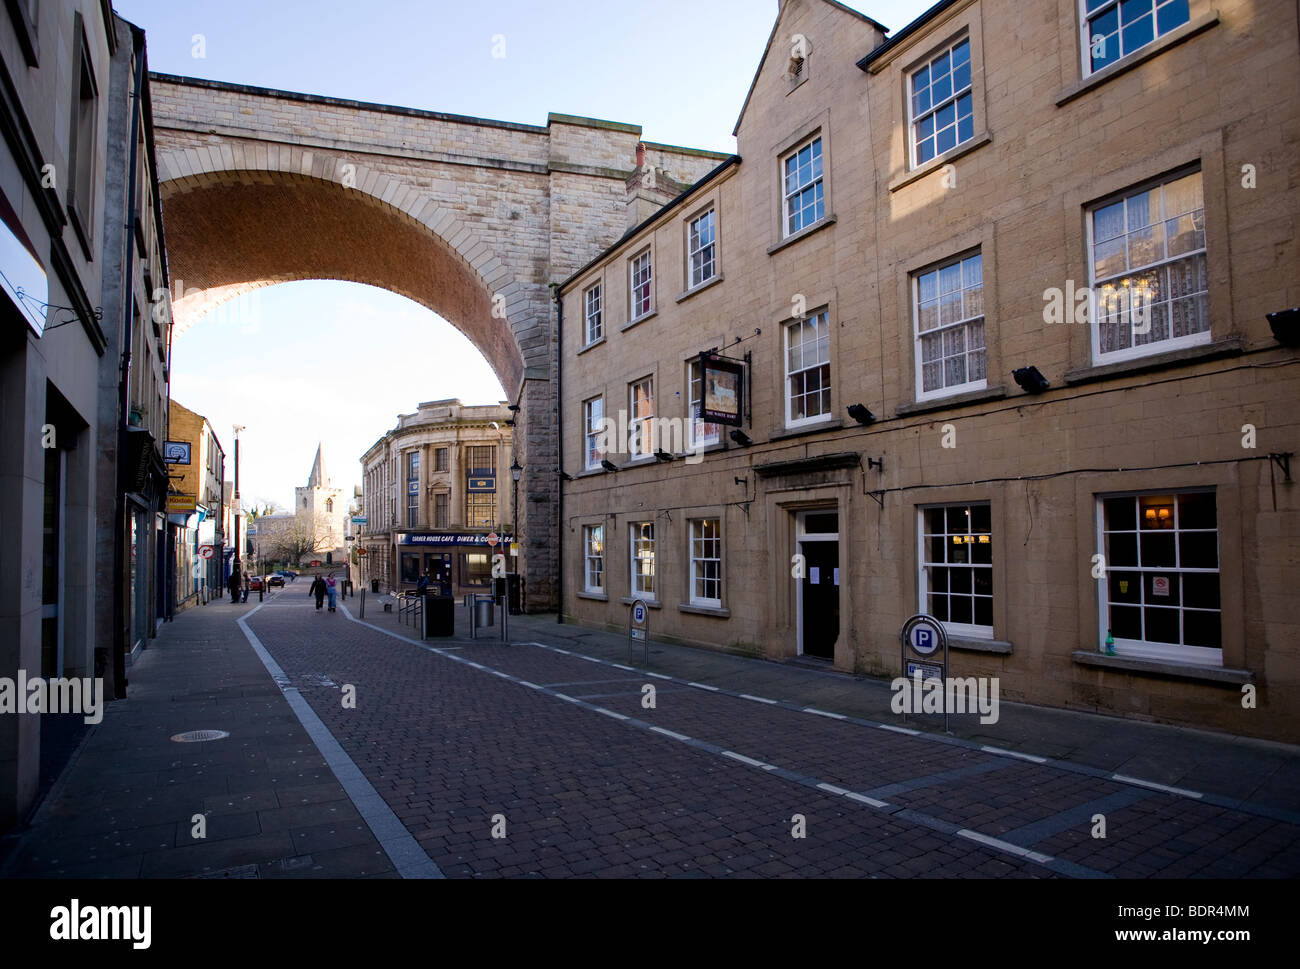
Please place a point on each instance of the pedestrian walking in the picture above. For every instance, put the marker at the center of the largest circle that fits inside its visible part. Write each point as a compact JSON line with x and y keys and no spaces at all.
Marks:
{"x":331,"y":589}
{"x":318,"y":590}
{"x":233,"y":583}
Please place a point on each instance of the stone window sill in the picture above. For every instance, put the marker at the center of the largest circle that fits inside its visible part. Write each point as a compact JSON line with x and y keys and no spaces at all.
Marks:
{"x":640,"y":319}
{"x":970,"y":644}
{"x":803,"y":233}
{"x":954,"y":400}
{"x":704,"y":611}
{"x":591,"y":346}
{"x":650,"y":603}
{"x":1134,"y":664}
{"x":1186,"y":32}
{"x":833,"y":424}
{"x":1227,"y":347}
{"x":712,"y":281}
{"x":593,"y":596}
{"x":937,"y":162}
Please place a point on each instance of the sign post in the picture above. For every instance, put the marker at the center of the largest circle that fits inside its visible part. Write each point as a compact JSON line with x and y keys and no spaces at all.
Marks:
{"x":638,"y":629}
{"x":921,"y":638}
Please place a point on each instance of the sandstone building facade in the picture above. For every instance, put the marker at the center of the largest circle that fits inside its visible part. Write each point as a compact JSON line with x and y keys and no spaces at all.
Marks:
{"x":434,"y":488}
{"x":997,"y":292}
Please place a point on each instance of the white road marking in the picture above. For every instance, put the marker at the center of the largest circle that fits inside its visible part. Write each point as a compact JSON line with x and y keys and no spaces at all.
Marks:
{"x":1184,"y":792}
{"x":1006,"y":846}
{"x":1014,"y":753}
{"x":825,"y":713}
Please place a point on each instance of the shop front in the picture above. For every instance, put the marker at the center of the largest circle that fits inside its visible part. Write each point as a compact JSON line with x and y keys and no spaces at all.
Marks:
{"x":461,"y":562}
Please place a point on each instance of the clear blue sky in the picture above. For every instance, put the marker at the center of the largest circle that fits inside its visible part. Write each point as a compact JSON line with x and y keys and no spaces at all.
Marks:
{"x":678,"y":68}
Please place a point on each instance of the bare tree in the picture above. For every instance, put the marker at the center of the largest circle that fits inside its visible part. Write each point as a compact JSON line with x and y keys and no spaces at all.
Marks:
{"x":300,"y":537}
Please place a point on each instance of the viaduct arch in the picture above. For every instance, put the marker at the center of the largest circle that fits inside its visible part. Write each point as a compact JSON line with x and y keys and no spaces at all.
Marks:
{"x":472,"y":218}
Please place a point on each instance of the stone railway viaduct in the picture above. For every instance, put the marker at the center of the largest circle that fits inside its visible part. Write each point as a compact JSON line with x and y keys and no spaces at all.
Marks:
{"x":474,"y":219}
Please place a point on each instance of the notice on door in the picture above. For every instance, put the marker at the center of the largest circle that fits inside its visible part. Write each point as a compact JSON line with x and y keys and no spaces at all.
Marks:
{"x":815,"y":575}
{"x":837,"y":576}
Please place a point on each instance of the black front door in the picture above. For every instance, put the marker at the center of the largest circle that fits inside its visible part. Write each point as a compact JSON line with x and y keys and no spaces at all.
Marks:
{"x":821,"y":598}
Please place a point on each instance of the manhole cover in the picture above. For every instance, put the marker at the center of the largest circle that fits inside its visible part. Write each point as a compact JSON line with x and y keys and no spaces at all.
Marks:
{"x":198,"y":736}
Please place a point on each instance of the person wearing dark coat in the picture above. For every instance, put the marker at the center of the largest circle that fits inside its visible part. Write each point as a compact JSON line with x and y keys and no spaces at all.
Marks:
{"x":233,"y":583}
{"x":318,"y":590}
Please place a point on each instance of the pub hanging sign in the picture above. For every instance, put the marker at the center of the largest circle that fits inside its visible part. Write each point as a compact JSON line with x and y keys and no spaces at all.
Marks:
{"x":722,"y":400}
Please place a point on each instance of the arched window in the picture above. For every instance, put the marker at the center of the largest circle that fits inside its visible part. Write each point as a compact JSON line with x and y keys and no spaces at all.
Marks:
{"x":329,"y":504}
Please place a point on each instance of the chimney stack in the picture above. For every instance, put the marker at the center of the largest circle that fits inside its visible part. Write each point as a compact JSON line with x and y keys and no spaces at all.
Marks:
{"x":640,"y":155}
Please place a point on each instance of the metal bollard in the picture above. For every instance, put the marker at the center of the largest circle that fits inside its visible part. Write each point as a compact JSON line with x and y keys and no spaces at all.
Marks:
{"x":363,"y":604}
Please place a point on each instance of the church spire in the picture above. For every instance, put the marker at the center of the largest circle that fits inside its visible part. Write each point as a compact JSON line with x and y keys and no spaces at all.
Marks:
{"x":319,"y":478}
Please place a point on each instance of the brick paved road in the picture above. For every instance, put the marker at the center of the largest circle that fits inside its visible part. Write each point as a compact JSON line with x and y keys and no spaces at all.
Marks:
{"x":591,"y":782}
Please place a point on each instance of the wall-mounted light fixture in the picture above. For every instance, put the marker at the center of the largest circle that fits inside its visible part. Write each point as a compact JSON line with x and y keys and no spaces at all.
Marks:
{"x":860,"y":414}
{"x":741,"y":438}
{"x":608,"y":465}
{"x":1030,"y":380}
{"x":1285,"y":325}
{"x":663,"y":456}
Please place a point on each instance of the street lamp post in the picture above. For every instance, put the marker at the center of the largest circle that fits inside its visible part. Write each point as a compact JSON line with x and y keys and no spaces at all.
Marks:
{"x":235,"y":499}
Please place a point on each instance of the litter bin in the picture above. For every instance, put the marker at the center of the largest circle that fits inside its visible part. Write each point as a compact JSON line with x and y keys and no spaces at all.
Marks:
{"x":483,"y":611}
{"x":374,"y":587}
{"x":439,"y":616}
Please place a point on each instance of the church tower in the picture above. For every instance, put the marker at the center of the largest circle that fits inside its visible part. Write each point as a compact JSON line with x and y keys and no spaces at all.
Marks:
{"x":321,"y":501}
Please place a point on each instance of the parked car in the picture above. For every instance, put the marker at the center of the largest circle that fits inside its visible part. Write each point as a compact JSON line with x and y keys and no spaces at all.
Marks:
{"x":275,"y":578}
{"x":255,"y":584}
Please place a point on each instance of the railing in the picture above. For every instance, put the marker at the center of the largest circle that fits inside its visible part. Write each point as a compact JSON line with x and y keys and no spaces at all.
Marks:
{"x":410,"y":604}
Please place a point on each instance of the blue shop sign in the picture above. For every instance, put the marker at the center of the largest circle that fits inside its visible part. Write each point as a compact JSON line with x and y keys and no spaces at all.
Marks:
{"x":409,"y":538}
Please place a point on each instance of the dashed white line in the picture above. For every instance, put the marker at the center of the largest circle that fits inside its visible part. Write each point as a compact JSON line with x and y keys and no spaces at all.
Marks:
{"x":863,"y":799}
{"x":669,"y":733}
{"x":611,"y":713}
{"x":831,"y":788}
{"x":1184,"y":792}
{"x":659,"y":676}
{"x":620,"y":666}
{"x":527,"y":684}
{"x":904,"y":730}
{"x":1013,"y":753}
{"x":824,"y":713}
{"x":563,"y":696}
{"x":703,"y":686}
{"x":1006,"y":846}
{"x":743,"y":759}
{"x":759,"y":699}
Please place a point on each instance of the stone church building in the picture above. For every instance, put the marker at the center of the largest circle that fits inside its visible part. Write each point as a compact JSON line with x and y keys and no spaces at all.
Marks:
{"x":320,"y":501}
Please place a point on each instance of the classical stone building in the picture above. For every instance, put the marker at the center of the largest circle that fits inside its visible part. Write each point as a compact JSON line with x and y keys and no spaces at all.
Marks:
{"x":433,"y":489}
{"x":991,"y":318}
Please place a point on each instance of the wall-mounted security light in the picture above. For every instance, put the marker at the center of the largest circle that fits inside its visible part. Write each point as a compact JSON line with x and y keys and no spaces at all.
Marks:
{"x":663,"y":456}
{"x":1030,"y":380}
{"x":1285,"y":325}
{"x":860,"y":414}
{"x":741,"y":438}
{"x":565,"y":476}
{"x":608,"y":465}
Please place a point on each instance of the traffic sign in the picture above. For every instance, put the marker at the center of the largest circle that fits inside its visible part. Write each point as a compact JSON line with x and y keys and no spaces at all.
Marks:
{"x":206,"y":551}
{"x":493,"y":538}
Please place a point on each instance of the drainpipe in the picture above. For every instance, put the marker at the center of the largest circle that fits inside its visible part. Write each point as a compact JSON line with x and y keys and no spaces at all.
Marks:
{"x":559,"y":439}
{"x":119,"y":499}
